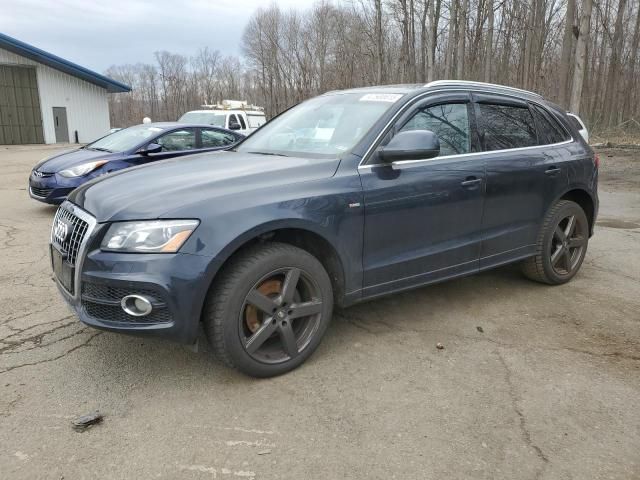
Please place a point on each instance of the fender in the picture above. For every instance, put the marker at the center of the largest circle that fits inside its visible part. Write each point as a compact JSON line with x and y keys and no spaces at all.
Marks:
{"x":592,"y":213}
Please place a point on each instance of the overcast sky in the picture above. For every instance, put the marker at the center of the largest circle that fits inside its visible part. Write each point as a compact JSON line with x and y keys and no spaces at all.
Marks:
{"x":98,"y":34}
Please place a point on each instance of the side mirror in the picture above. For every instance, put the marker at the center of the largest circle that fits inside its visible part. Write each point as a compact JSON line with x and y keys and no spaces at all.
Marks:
{"x":234,"y":126}
{"x":411,"y":145}
{"x":151,"y":148}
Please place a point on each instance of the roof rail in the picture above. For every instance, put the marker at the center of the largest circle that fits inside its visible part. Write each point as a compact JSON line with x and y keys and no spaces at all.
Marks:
{"x":467,"y":83}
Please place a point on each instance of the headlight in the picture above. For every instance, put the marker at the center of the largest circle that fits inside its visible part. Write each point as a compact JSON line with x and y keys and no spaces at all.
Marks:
{"x":83,"y":169}
{"x":155,"y":236}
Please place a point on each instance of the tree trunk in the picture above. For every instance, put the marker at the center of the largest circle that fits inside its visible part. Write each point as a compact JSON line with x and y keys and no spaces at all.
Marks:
{"x":633,"y":59}
{"x":453,"y":20}
{"x":567,"y":47}
{"x":581,"y":56}
{"x":462,"y":34}
{"x":614,"y":75}
{"x":488,"y":57}
{"x":379,"y":43}
{"x":435,"y":18}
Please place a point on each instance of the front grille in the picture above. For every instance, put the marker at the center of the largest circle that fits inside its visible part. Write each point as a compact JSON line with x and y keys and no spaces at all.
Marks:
{"x":41,"y":192}
{"x":71,"y":243}
{"x":102,"y":302}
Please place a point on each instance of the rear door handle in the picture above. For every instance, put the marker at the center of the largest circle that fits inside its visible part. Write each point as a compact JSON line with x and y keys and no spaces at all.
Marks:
{"x":552,"y":170}
{"x":471,"y":181}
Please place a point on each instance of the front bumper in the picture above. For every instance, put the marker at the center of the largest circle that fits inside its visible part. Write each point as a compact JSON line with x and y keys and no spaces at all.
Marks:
{"x":177,"y":285}
{"x":49,"y":190}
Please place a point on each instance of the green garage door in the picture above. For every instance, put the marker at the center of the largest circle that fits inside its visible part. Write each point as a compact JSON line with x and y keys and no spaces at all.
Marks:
{"x":20,"y":118}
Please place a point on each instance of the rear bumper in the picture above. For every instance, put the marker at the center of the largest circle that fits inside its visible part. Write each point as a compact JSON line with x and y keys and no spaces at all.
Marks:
{"x":176,"y":285}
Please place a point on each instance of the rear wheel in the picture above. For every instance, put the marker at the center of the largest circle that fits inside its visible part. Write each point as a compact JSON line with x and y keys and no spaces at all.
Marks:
{"x":269,"y":309}
{"x":562,"y":245}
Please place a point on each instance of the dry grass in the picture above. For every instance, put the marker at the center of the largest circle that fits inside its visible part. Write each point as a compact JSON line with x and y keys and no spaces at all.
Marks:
{"x":625,"y":134}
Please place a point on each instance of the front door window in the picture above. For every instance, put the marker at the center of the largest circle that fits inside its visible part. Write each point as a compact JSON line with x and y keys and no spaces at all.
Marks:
{"x":450,"y":123}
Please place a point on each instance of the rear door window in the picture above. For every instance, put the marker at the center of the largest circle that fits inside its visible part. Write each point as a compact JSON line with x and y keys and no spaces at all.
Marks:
{"x":507,"y":126}
{"x":450,"y":123}
{"x":549,"y":130}
{"x":179,"y":140}
{"x":213,"y":138}
{"x":242,"y":124}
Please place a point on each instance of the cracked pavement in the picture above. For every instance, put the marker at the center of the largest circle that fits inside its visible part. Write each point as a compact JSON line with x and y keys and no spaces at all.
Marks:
{"x":548,"y":388}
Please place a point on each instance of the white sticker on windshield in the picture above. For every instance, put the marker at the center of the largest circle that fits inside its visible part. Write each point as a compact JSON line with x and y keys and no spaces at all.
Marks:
{"x":323,"y":133}
{"x":381,"y":97}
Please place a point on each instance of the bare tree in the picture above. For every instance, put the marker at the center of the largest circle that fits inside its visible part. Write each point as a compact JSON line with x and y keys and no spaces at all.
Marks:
{"x":288,"y":56}
{"x":567,"y":48}
{"x":581,"y":56}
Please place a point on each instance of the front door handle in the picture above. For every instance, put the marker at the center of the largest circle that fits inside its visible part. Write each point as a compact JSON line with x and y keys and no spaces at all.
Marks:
{"x":471,"y":182}
{"x":552,"y":170}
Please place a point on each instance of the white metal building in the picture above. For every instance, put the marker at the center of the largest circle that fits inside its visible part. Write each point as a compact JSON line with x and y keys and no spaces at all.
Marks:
{"x":46,"y":99}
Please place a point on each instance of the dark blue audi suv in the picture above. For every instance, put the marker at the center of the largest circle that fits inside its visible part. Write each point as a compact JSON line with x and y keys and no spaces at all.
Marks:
{"x":53,"y":178}
{"x":345,"y":197}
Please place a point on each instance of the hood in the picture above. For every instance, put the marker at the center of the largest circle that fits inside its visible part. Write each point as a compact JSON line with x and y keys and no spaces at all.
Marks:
{"x":150,"y":191}
{"x":71,"y":158}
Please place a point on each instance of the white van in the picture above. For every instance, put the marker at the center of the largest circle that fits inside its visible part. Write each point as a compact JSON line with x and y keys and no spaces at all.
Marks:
{"x":232,"y":114}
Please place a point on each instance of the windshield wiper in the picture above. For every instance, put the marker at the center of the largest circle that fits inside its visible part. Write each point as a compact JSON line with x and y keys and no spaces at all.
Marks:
{"x":270,"y":153}
{"x":101,"y":149}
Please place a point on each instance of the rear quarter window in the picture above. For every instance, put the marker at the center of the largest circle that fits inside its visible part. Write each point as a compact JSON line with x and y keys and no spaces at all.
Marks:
{"x":574,"y":122}
{"x":549,"y":130}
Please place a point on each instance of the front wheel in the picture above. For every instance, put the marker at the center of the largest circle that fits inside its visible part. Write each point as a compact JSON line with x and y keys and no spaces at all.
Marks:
{"x":562,"y":245}
{"x":268,"y":310}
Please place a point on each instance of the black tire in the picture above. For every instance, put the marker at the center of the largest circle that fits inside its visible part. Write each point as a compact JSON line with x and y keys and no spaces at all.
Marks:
{"x":236,"y":319}
{"x":560,"y":247}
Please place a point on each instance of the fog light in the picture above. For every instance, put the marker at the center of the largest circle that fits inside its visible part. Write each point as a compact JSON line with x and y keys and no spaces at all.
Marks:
{"x":136,"y":305}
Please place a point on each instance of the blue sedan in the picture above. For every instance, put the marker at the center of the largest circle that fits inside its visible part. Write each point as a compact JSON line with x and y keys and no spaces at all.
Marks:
{"x":55,"y":177}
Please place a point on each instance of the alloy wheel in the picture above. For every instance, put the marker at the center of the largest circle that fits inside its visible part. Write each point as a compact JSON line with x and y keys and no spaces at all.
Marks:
{"x":567,"y":244}
{"x":280,"y":315}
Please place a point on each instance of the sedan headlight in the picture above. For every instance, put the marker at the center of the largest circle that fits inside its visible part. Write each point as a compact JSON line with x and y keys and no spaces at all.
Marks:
{"x":155,"y":236}
{"x":83,"y":169}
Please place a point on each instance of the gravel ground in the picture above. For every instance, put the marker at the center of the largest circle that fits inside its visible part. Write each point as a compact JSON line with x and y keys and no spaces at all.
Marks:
{"x":547,"y":387}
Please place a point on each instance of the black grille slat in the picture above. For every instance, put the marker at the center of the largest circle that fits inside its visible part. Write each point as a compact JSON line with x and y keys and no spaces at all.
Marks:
{"x":114,"y":313}
{"x":108,"y":292}
{"x":41,"y":192}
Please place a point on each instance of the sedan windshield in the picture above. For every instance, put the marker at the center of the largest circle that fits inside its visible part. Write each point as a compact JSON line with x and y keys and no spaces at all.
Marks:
{"x":322,"y":127}
{"x":204,"y":118}
{"x":125,"y":139}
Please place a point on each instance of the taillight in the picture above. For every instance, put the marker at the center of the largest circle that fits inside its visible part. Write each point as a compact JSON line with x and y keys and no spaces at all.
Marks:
{"x":596,"y":160}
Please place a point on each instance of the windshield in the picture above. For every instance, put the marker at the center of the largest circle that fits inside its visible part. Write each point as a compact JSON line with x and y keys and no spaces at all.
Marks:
{"x":322,"y":127}
{"x":205,"y":118}
{"x":125,"y":139}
